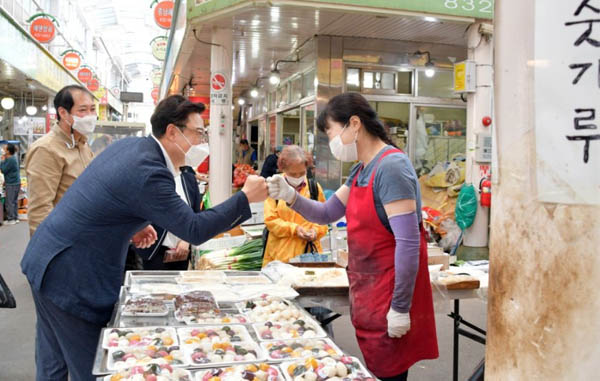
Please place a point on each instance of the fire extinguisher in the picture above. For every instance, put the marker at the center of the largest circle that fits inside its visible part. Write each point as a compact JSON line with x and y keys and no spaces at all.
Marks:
{"x":485,"y":190}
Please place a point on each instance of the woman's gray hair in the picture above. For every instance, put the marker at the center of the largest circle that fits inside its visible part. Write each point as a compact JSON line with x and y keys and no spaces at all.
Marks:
{"x":291,"y":154}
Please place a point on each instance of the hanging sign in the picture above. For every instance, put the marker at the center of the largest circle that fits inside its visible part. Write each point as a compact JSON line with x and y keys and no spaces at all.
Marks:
{"x":71,"y":59}
{"x":42,"y":27}
{"x":156,"y":76}
{"x":84,"y":74}
{"x":159,"y":47}
{"x":154,"y":94}
{"x":116,"y":92}
{"x":219,"y":89}
{"x":567,"y":111}
{"x":93,"y":85}
{"x":163,"y":13}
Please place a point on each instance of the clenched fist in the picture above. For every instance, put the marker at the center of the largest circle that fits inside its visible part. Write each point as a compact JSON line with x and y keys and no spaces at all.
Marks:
{"x":255,"y":189}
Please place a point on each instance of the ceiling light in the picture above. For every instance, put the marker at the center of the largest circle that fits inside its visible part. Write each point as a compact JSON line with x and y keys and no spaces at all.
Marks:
{"x":44,"y":108}
{"x":7,"y":103}
{"x":275,"y":77}
{"x":241,"y":101}
{"x":254,"y":92}
{"x":31,"y":110}
{"x":429,"y":69}
{"x":430,"y":19}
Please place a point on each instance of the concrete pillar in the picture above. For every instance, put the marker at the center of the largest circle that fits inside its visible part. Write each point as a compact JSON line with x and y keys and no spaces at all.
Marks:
{"x":544,"y":300}
{"x":479,"y":105}
{"x":221,"y":119}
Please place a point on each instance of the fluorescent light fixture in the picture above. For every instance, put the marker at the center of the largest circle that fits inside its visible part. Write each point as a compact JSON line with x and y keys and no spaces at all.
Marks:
{"x":44,"y":108}
{"x":430,"y":19}
{"x":429,"y":69}
{"x":7,"y":103}
{"x":241,"y":101}
{"x":254,"y":92}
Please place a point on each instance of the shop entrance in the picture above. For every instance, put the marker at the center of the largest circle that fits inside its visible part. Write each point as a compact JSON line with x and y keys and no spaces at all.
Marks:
{"x":290,"y":127}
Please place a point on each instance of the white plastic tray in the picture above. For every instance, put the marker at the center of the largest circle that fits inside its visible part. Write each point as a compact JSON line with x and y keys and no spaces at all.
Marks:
{"x":142,"y":359}
{"x":165,"y":311}
{"x":266,"y":345}
{"x":251,"y":314}
{"x":200,"y":374}
{"x":170,"y":377}
{"x":319,"y":332}
{"x":138,"y":330}
{"x":260,"y":356}
{"x":284,"y":366}
{"x":185,"y":333}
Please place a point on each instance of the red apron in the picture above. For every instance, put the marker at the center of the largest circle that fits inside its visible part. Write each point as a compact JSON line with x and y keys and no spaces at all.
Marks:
{"x":371,"y":273}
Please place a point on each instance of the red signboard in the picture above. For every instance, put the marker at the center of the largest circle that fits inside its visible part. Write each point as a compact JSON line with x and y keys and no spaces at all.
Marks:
{"x":206,"y":102}
{"x":93,"y":85}
{"x":218,"y":82}
{"x":72,"y":60}
{"x":42,"y":29}
{"x":154,"y":93}
{"x":163,"y":14}
{"x":84,"y":74}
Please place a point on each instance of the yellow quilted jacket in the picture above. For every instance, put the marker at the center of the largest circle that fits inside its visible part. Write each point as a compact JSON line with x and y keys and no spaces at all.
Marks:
{"x":283,"y":243}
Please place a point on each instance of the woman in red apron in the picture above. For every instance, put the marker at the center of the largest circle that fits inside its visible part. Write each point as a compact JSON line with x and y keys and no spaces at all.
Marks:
{"x":390,"y":294}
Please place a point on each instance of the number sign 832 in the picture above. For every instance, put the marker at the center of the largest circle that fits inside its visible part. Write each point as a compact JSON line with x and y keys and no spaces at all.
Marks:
{"x":483,"y":6}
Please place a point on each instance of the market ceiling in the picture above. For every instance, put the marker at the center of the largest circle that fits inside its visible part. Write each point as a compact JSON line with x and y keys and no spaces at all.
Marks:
{"x":127,"y":27}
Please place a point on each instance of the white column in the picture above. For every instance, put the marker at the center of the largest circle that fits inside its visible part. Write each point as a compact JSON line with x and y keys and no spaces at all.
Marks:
{"x":221,"y":119}
{"x":479,"y":105}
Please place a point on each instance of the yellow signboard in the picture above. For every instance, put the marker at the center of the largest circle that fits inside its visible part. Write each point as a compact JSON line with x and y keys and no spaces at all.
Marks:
{"x":459,"y":77}
{"x":464,"y":77}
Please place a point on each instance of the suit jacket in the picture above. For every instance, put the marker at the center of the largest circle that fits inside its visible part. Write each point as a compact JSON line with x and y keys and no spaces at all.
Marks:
{"x":76,"y":258}
{"x":192,"y":193}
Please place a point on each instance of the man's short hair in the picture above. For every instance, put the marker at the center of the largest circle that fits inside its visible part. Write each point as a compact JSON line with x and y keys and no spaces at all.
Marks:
{"x":64,"y":98}
{"x":11,"y":148}
{"x":173,"y":110}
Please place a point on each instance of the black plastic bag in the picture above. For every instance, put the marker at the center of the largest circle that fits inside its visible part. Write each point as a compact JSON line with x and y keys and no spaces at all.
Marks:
{"x":7,"y":300}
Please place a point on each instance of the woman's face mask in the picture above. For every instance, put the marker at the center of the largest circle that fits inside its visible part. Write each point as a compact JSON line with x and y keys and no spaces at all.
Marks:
{"x":294,"y":181}
{"x":341,"y":151}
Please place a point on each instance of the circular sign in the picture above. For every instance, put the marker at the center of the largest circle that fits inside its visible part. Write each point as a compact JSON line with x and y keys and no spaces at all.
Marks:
{"x":163,"y":14}
{"x":93,"y":84}
{"x":154,"y":94}
{"x":42,"y":29}
{"x":72,"y":60}
{"x":156,"y":76}
{"x":218,"y":82}
{"x":84,"y":74}
{"x":116,"y":92}
{"x":159,"y":47}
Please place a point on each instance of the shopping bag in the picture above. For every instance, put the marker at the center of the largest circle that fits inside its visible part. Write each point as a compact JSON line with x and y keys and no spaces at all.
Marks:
{"x":7,"y":300}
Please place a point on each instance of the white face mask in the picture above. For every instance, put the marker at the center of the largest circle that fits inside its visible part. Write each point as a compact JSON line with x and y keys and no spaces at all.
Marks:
{"x":341,"y":151}
{"x":196,"y":154}
{"x":86,"y":125}
{"x":294,"y":181}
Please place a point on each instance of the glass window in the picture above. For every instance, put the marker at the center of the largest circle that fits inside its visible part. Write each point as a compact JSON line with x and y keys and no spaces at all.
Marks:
{"x":405,"y":82}
{"x":352,"y":79}
{"x":440,"y":137}
{"x":388,"y":81}
{"x":308,"y":84}
{"x":282,"y":95}
{"x":440,"y":85}
{"x":368,"y":80}
{"x":296,"y":89}
{"x":272,"y":101}
{"x":308,"y":142}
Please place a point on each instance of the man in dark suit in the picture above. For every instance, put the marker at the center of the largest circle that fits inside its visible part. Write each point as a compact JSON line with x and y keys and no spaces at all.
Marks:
{"x":75,"y":261}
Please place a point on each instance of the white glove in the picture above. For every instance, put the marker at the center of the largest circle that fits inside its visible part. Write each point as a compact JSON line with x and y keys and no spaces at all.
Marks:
{"x":398,"y":323}
{"x":279,"y":189}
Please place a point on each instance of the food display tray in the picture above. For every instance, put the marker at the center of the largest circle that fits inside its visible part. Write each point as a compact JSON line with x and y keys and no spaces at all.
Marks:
{"x":260,"y":356}
{"x":185,"y":333}
{"x":136,"y":330}
{"x":200,"y":374}
{"x":267,"y":345}
{"x":368,"y":377}
{"x":319,"y":332}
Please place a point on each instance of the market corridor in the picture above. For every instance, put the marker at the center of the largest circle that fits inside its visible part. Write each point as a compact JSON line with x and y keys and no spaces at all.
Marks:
{"x":17,"y":327}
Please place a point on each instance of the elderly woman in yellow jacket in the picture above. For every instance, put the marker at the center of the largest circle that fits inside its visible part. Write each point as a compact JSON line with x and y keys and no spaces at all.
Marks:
{"x":289,"y":232}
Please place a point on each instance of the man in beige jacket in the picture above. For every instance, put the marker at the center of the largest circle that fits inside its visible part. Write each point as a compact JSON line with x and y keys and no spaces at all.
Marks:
{"x":57,"y":159}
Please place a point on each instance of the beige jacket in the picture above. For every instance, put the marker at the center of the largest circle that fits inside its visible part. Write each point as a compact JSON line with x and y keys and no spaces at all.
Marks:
{"x":51,"y":168}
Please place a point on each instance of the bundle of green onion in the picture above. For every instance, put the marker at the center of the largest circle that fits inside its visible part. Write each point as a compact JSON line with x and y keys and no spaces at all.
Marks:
{"x":246,"y":258}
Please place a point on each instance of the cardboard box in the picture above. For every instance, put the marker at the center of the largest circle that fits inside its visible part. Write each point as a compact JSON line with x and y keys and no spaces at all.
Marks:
{"x":436,"y":256}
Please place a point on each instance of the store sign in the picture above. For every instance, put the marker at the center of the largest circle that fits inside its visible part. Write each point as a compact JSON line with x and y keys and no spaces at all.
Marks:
{"x":154,"y":94}
{"x":72,"y":60}
{"x":220,"y":91}
{"x":93,"y":85}
{"x":156,"y":76}
{"x":84,"y":74}
{"x":116,"y":92}
{"x":465,"y":77}
{"x":483,"y":9}
{"x":163,"y":14}
{"x":159,"y":47}
{"x":567,"y":111}
{"x":43,"y":30}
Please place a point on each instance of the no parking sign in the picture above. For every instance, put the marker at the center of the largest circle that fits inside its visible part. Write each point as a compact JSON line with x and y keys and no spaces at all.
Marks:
{"x":219,"y":89}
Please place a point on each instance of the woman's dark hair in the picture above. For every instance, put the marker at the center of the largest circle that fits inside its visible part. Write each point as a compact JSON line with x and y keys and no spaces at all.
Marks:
{"x":342,"y":107}
{"x":173,"y":110}
{"x":64,"y":98}
{"x":244,"y":142}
